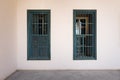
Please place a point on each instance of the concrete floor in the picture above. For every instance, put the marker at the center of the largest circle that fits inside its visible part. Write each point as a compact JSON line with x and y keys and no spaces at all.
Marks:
{"x":65,"y":75}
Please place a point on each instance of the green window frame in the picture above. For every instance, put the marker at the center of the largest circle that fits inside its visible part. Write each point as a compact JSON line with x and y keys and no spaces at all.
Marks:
{"x":84,"y":35}
{"x":38,"y":34}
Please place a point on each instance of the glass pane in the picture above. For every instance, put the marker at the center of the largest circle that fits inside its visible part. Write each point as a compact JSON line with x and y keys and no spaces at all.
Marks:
{"x":84,"y":23}
{"x":40,"y":23}
{"x":78,"y":27}
{"x":88,"y":41}
{"x":88,"y":51}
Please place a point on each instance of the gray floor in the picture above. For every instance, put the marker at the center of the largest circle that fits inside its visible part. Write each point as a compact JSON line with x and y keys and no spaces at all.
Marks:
{"x":65,"y":75}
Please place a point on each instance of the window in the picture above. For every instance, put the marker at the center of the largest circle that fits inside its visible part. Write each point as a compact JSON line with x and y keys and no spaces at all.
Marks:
{"x":84,"y":34}
{"x":38,"y":28}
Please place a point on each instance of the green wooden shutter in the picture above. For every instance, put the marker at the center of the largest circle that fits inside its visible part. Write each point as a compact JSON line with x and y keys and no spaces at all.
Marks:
{"x":38,"y":34}
{"x":84,"y":34}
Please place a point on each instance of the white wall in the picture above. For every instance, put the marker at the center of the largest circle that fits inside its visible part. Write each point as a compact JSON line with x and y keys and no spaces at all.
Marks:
{"x":108,"y":34}
{"x":8,"y":63}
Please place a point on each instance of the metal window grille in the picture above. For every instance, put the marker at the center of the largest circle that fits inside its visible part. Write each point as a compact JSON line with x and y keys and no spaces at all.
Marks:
{"x":38,"y":34}
{"x":84,"y":34}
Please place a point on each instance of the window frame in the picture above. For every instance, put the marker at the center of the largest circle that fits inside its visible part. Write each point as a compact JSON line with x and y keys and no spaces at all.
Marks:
{"x":29,"y":33}
{"x":82,"y":11}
